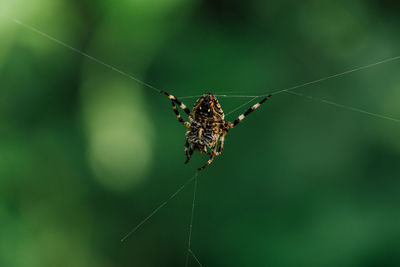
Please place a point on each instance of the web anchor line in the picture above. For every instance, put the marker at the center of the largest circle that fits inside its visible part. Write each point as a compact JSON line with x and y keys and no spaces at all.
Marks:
{"x":131,"y":232}
{"x":343,"y":106}
{"x":337,"y":75}
{"x":290,"y":90}
{"x":195,"y":258}
{"x":39,"y":32}
{"x":35,"y":30}
{"x":191,"y":223}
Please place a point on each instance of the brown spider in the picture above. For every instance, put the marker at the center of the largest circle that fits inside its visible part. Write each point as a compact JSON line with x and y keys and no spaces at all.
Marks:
{"x":206,"y":125}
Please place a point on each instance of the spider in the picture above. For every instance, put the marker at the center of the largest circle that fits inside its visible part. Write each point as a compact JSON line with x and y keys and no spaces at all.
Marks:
{"x":207,"y":125}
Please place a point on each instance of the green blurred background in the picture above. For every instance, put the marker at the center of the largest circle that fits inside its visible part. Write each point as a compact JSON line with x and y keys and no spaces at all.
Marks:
{"x":86,"y":153}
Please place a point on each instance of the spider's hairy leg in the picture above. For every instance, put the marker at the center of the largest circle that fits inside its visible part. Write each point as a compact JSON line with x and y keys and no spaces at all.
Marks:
{"x":178,"y":115}
{"x":188,"y":153}
{"x":221,"y":144}
{"x":205,"y":151}
{"x":244,"y":115}
{"x":174,"y":99}
{"x":213,"y":154}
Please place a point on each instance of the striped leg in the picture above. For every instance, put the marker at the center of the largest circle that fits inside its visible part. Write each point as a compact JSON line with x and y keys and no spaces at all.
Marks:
{"x":174,"y":99}
{"x":220,"y":148}
{"x":241,"y":117}
{"x":210,"y":160}
{"x":205,"y":151}
{"x":221,"y":145}
{"x":188,"y":153}
{"x":178,"y":116}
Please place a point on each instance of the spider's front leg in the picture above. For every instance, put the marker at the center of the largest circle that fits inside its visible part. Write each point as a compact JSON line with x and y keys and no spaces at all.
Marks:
{"x":181,"y":105}
{"x":174,"y":99}
{"x":250,"y":110}
{"x":178,"y":116}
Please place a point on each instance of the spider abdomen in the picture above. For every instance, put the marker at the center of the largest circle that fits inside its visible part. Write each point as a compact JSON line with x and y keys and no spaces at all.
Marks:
{"x":202,"y":134}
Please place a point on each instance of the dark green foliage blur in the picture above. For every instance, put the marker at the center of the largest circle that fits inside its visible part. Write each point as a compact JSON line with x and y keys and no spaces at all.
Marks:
{"x":87,"y":153}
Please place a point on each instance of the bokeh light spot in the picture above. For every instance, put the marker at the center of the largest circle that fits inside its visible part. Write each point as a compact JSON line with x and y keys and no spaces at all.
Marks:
{"x":119,"y":132}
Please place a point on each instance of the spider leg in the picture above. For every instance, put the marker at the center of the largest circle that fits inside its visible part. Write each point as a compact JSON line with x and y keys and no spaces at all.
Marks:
{"x":186,"y":147}
{"x":178,"y":116}
{"x":210,"y":160}
{"x":204,"y":151}
{"x":241,"y":117}
{"x":188,"y":153}
{"x":221,"y":144}
{"x":174,"y":99}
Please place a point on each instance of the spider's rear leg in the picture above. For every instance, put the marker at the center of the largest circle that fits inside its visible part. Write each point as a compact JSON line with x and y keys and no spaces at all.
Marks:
{"x":213,"y":154}
{"x":208,"y":162}
{"x":204,"y":151}
{"x":188,"y":151}
{"x":221,"y":145}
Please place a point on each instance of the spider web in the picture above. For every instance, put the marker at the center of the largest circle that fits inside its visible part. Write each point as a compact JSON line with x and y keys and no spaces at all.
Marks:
{"x":194,"y":178}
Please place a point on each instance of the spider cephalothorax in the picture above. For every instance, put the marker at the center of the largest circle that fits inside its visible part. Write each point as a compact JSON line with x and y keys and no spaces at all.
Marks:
{"x":207,"y":108}
{"x":207,"y":125}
